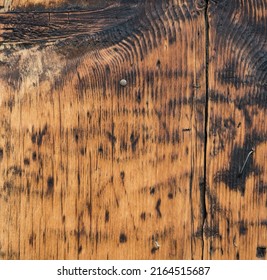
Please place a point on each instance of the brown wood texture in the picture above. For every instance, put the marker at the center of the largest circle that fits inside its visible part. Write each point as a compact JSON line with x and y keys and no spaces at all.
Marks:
{"x":93,"y":169}
{"x":237,"y":202}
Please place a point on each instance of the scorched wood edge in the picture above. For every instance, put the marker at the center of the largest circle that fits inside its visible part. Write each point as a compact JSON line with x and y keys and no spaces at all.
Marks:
{"x":95,"y":167}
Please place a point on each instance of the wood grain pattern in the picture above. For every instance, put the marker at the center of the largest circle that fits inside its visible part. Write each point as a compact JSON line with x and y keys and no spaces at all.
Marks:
{"x":236,"y":203}
{"x":91,"y":169}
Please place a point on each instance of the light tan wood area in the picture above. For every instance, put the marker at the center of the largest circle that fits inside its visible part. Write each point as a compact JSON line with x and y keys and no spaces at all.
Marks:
{"x":95,"y":167}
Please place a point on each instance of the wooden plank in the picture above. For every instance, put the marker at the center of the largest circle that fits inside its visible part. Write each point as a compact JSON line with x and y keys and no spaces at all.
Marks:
{"x":91,"y":169}
{"x":236,"y":201}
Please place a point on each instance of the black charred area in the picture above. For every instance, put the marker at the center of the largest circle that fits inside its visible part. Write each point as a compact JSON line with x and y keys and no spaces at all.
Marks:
{"x":50,"y":185}
{"x":80,"y":27}
{"x":232,"y":177}
{"x":261,"y":252}
{"x":42,"y":25}
{"x":123,"y":238}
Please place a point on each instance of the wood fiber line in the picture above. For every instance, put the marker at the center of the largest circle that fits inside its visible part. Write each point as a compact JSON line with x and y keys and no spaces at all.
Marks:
{"x":91,"y":169}
{"x":236,"y":203}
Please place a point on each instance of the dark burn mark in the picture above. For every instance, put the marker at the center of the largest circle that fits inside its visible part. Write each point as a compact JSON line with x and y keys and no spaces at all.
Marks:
{"x":123,"y":238}
{"x":50,"y":185}
{"x":83,"y":151}
{"x":122,"y":176}
{"x":261,"y":188}
{"x":15,"y":171}
{"x":11,"y":104}
{"x":138,"y":97}
{"x":134,"y":140}
{"x":100,"y":149}
{"x":112,"y":138}
{"x":158,"y":208}
{"x":8,"y":187}
{"x":170,"y":195}
{"x":32,"y":239}
{"x":1,"y":154}
{"x":41,"y":135}
{"x":154,"y":250}
{"x":231,"y":177}
{"x":261,"y":252}
{"x":26,"y":161}
{"x":38,"y":137}
{"x":242,"y":228}
{"x":152,"y":190}
{"x":89,"y":208}
{"x":106,"y":216}
{"x":76,"y":133}
{"x":34,"y":156}
{"x":209,"y":231}
{"x":34,"y":138}
{"x":143,"y":216}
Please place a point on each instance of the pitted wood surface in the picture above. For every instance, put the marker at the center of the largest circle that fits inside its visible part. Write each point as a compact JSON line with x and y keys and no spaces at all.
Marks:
{"x":92,"y":169}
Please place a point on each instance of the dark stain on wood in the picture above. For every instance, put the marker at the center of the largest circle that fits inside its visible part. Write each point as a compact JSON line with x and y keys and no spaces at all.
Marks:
{"x":170,"y":195}
{"x":123,"y":238}
{"x":50,"y":185}
{"x":158,"y":208}
{"x":261,"y":252}
{"x":1,"y":154}
{"x":34,"y":156}
{"x":40,"y":135}
{"x":26,"y":161}
{"x":232,"y":177}
{"x":32,"y":239}
{"x":106,"y":216}
{"x":242,"y":228}
{"x":143,"y":216}
{"x":134,"y":140}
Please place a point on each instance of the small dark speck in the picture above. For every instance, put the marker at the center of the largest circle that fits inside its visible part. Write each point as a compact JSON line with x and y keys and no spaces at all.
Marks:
{"x":261,"y":252}
{"x":100,"y":149}
{"x":27,"y":161}
{"x":170,"y":195}
{"x":158,"y":208}
{"x":34,"y":138}
{"x":80,"y":249}
{"x":34,"y":156}
{"x":83,"y":151}
{"x":123,"y":238}
{"x":138,"y":97}
{"x":106,"y":216}
{"x":50,"y":184}
{"x":122,"y":174}
{"x":152,"y":190}
{"x":1,"y":153}
{"x":31,"y":239}
{"x":158,"y":63}
{"x":143,"y":216}
{"x":242,"y":228}
{"x":153,"y":250}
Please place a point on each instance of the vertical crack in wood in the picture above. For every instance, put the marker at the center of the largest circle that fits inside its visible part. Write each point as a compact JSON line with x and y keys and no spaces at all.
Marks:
{"x":203,"y":188}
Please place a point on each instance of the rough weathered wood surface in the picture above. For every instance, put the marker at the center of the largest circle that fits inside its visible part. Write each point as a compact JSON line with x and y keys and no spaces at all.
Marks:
{"x":92,"y":169}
